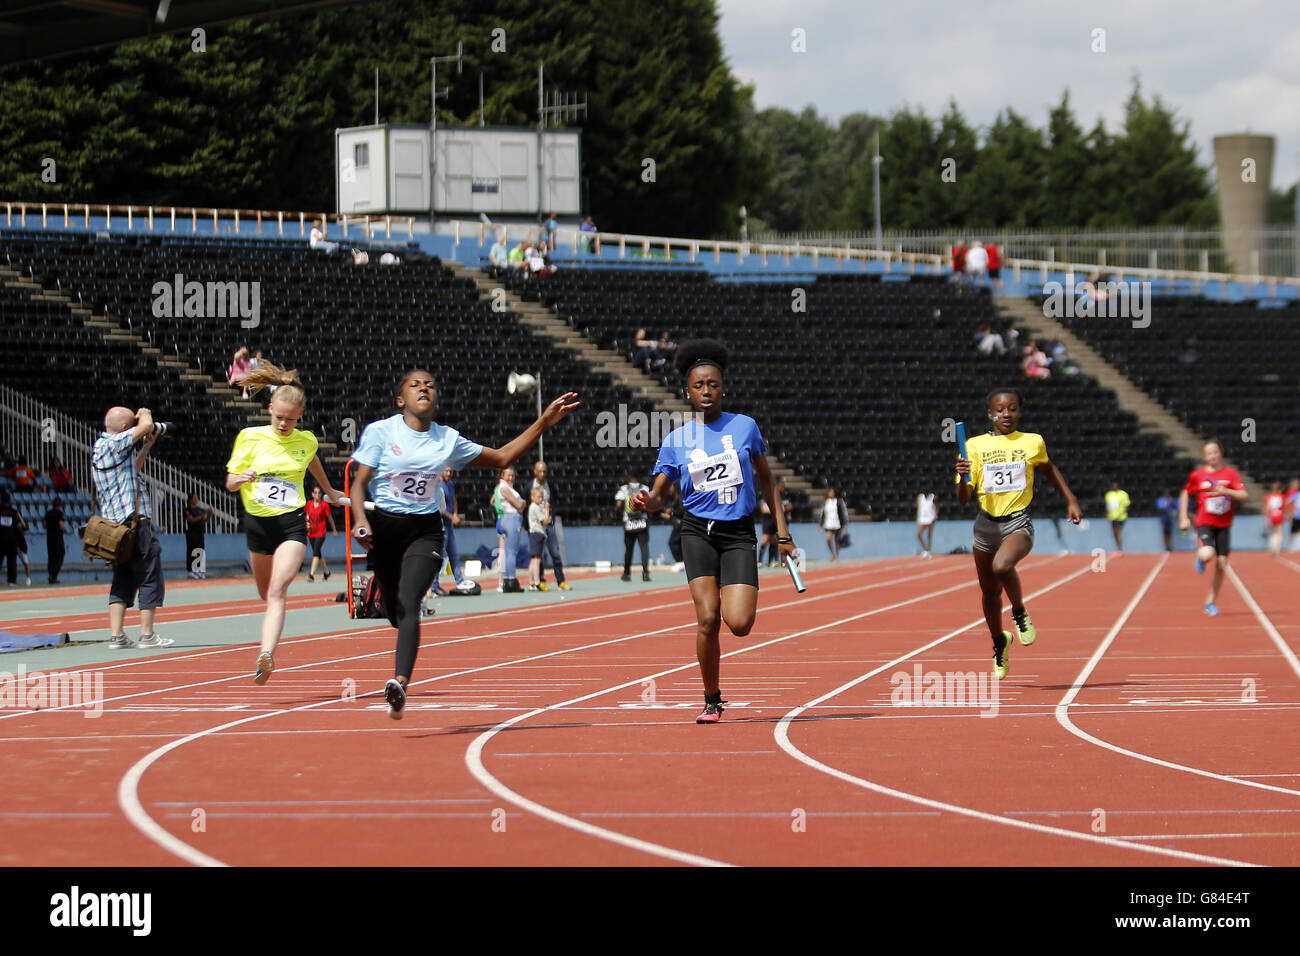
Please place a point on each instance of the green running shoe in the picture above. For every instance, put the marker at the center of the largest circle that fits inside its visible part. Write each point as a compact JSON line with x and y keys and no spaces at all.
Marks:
{"x":1025,"y":627}
{"x":1002,"y":656}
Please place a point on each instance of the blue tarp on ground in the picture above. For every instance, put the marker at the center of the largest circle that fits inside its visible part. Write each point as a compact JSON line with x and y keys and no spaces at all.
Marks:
{"x":10,"y":641}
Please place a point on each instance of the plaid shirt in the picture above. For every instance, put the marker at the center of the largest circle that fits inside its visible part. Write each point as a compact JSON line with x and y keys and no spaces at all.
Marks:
{"x":112,"y":467}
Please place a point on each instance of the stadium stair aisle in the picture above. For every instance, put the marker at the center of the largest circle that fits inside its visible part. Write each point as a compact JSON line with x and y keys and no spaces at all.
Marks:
{"x":1149,"y":412}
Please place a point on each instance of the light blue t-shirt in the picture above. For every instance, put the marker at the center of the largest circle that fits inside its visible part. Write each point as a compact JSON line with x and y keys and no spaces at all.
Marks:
{"x":713,"y":466}
{"x":408,"y":464}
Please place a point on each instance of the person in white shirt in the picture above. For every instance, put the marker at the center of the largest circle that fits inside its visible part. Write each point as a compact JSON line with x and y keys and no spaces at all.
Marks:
{"x":927,"y":512}
{"x":636,"y":526}
{"x":513,"y":507}
{"x":977,"y":262}
{"x":538,"y":516}
{"x":499,"y":254}
{"x":318,"y":241}
{"x":834,"y":516}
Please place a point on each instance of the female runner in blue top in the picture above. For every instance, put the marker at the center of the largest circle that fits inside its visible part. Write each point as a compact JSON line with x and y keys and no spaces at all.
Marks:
{"x":715,"y":459}
{"x":400,"y":460}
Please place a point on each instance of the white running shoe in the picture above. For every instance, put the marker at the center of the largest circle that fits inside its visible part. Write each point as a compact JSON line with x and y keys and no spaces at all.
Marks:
{"x":265,"y":664}
{"x":154,"y":640}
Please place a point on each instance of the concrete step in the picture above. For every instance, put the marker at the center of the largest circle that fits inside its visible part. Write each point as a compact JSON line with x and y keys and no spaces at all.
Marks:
{"x":1152,"y":416}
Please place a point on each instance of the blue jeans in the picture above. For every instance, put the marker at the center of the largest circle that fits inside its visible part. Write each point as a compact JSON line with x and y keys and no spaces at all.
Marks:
{"x":552,"y":547}
{"x":510,"y":524}
{"x":449,"y":548}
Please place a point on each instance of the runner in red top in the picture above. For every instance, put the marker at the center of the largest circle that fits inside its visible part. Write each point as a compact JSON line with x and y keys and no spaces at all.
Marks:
{"x":1217,"y":488}
{"x":318,"y":512}
{"x":1275,"y":517}
{"x":959,"y":265}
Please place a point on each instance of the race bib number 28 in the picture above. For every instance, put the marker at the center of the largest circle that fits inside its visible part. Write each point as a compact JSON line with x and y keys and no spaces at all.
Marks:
{"x":415,"y":487}
{"x":1006,"y":477}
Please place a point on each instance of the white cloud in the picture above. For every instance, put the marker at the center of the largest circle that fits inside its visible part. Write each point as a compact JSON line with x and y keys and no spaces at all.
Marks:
{"x":1223,"y":67}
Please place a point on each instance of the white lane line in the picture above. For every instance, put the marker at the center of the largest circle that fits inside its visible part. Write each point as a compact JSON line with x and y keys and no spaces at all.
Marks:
{"x":1063,"y":708}
{"x":385,"y":628}
{"x":474,"y":755}
{"x":340,"y":660}
{"x":128,"y":797}
{"x":1266,"y":623}
{"x":782,"y":735}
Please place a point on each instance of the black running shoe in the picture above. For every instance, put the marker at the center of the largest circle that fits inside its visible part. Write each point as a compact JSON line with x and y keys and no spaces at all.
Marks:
{"x":395,"y":694}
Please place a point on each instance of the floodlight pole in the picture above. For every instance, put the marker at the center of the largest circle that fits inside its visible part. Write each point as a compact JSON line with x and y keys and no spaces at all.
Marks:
{"x":541,"y":449}
{"x":875,"y":184}
{"x":434,"y":93}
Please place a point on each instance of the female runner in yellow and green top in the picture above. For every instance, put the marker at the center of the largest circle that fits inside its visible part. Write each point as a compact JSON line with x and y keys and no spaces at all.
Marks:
{"x":267,"y":466}
{"x":1001,"y":466}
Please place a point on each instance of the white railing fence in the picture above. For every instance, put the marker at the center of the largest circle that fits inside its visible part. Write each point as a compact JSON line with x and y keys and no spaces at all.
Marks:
{"x":1276,"y":248}
{"x":845,"y":255}
{"x":223,"y":221}
{"x":34,"y":429}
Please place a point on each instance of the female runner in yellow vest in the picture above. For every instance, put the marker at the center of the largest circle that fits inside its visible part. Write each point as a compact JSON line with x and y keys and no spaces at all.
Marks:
{"x":1001,"y":466}
{"x":267,"y":466}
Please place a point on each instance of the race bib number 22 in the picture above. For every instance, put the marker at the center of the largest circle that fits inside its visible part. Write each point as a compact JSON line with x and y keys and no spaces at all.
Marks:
{"x":717,"y":472}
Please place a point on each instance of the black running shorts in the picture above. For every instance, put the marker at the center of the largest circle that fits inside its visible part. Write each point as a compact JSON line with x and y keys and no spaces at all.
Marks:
{"x":265,"y":534}
{"x":726,"y":550}
{"x":1220,"y":539}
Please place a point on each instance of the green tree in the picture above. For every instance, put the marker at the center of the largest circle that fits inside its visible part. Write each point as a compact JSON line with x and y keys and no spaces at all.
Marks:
{"x":1009,"y":181}
{"x":1158,"y":179}
{"x":1066,"y":164}
{"x":250,"y":122}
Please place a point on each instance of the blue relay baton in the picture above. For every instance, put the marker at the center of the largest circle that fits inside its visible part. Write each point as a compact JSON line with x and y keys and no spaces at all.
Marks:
{"x":961,"y":446}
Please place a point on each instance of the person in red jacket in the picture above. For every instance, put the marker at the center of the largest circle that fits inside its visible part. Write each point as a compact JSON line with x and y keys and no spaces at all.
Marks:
{"x":995,"y":267}
{"x":959,"y":265}
{"x":1217,"y":489}
{"x":61,"y":477}
{"x":318,"y":513}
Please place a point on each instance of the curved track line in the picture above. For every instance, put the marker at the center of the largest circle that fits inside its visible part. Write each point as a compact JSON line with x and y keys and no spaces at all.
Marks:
{"x":781,"y":733}
{"x":128,"y":787}
{"x":1063,"y":715}
{"x":474,"y":754}
{"x":127,"y":791}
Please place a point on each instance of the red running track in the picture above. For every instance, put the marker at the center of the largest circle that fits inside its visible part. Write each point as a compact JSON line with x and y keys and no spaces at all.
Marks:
{"x":1135,"y":731}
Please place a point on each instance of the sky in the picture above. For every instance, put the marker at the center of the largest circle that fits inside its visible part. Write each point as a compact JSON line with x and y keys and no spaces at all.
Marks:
{"x":1226,"y":67}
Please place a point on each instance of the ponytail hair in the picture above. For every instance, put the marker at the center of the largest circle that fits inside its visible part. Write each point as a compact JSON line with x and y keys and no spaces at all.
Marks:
{"x":289,"y":386}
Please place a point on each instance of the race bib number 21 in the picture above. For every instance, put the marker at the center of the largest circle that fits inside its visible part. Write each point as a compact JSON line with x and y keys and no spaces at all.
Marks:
{"x":275,"y":493}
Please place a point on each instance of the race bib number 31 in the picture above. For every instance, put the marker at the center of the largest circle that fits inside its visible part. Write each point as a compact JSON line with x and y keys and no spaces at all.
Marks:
{"x":1007,"y":477}
{"x":716,"y":473}
{"x":277,"y":493}
{"x":414,"y":487}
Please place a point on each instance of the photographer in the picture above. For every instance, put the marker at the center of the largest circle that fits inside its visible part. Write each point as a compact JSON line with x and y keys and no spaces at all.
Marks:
{"x":120,"y":491}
